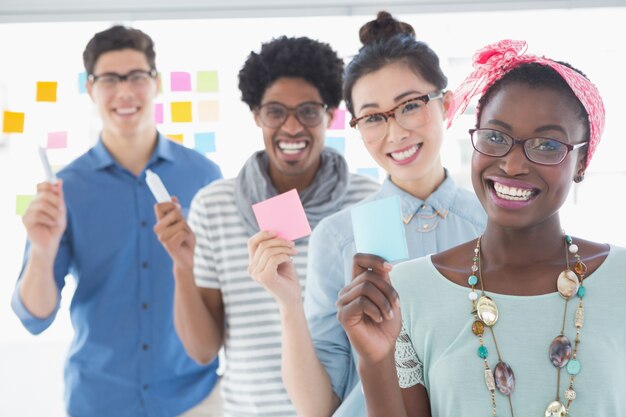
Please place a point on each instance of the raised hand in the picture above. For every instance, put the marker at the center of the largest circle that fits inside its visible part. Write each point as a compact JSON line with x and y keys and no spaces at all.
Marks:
{"x":270,"y":264}
{"x":174,"y":233}
{"x":368,"y":308}
{"x":45,"y":218}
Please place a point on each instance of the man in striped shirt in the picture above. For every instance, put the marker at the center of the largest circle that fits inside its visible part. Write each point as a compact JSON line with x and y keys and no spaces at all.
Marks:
{"x":292,"y":86}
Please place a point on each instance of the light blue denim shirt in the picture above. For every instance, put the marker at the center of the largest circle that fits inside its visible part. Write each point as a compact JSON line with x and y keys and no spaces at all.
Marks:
{"x":451,"y":215}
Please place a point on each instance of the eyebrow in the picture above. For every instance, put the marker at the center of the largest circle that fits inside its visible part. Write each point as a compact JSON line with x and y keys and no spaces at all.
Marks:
{"x":540,"y":129}
{"x":397,"y":99}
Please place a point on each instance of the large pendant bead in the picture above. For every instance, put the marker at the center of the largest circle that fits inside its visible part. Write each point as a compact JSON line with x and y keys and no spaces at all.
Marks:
{"x":555,"y":409}
{"x":504,"y":377}
{"x":487,"y":310}
{"x":579,"y":317}
{"x":567,"y":284}
{"x":560,"y":351}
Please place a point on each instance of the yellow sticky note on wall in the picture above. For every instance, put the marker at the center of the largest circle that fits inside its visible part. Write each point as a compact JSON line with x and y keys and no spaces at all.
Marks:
{"x":13,"y":122}
{"x":21,"y":203}
{"x":208,"y":111}
{"x":47,"y":91}
{"x":181,"y":111}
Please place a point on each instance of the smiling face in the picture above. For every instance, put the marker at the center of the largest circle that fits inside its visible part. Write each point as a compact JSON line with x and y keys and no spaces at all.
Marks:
{"x":126,"y":109}
{"x":409,"y":156}
{"x":293,"y":149}
{"x":514,"y":191}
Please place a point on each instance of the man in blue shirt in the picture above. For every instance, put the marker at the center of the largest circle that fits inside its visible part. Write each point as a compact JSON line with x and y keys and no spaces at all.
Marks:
{"x":96,"y":223}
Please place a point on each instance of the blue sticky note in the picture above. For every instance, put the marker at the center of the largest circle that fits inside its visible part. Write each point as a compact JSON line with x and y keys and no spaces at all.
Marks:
{"x":337,"y":143}
{"x":82,"y":82}
{"x":368,"y":172}
{"x":204,"y":142}
{"x":379,"y":230}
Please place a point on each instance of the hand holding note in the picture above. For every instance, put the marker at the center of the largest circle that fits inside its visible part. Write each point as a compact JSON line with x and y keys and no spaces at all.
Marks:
{"x":284,"y":215}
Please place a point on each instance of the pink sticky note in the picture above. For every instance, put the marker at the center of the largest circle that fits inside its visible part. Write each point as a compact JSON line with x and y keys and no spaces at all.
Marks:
{"x":57,"y":140}
{"x":339,"y":121}
{"x":283,"y":214}
{"x":158,"y":113}
{"x":180,"y":81}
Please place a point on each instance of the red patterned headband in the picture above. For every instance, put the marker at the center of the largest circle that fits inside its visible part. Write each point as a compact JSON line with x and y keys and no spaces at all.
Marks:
{"x":495,"y":60}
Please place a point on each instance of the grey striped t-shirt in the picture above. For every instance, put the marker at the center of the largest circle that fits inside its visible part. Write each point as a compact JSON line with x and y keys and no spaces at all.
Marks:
{"x":252,"y":384}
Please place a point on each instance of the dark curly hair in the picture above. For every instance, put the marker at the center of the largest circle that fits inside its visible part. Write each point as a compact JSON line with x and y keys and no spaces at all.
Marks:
{"x":302,"y":57}
{"x":537,"y":76}
{"x":385,"y":41}
{"x":117,"y":38}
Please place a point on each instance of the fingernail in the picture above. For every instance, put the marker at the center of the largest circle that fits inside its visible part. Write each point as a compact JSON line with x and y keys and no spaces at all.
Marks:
{"x":387,"y":266}
{"x":390,"y":314}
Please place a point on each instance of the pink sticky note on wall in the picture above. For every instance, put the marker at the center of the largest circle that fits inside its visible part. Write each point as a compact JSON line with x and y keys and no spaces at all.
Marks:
{"x":180,"y":81}
{"x":158,"y":113}
{"x":57,"y":140}
{"x":339,"y":120}
{"x":283,"y":214}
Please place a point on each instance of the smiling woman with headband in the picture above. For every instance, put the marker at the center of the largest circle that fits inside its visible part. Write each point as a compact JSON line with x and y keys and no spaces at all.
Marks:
{"x":525,"y":319}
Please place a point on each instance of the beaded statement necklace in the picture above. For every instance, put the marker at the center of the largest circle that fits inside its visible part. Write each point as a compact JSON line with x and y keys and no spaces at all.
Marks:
{"x":561,"y":353}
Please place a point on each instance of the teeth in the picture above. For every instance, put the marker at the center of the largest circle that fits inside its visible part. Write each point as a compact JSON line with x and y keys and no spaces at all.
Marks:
{"x":291,"y":148}
{"x":512,"y":193}
{"x":126,"y":110}
{"x":400,"y":156}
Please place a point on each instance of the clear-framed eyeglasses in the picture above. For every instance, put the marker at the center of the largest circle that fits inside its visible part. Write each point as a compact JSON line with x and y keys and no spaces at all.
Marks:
{"x":410,"y":114}
{"x":540,"y":150}
{"x":111,"y":80}
{"x":309,"y":114}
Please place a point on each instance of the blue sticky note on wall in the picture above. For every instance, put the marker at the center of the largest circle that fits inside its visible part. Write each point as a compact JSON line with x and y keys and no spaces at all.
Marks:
{"x":204,"y":142}
{"x":337,"y":143}
{"x":82,"y":82}
{"x":379,"y":229}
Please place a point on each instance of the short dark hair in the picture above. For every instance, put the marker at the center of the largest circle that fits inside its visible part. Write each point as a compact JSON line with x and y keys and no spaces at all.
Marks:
{"x":539,"y":76}
{"x":117,"y":38}
{"x":386,"y":41}
{"x":315,"y":62}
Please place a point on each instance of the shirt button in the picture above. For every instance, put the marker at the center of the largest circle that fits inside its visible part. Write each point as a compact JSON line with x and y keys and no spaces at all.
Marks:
{"x":143,"y":223}
{"x":423,"y":206}
{"x":145,"y":346}
{"x":145,"y":387}
{"x":144,"y":306}
{"x":144,"y":265}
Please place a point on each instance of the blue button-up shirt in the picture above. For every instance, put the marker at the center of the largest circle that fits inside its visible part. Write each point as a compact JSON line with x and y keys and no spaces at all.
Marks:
{"x":449,"y":216}
{"x":125,"y":358}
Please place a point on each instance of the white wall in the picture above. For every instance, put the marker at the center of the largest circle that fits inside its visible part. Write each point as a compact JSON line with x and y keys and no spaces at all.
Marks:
{"x":31,"y":367}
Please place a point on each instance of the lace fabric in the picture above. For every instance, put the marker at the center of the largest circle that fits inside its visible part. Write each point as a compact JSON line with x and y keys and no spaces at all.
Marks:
{"x":408,"y":366}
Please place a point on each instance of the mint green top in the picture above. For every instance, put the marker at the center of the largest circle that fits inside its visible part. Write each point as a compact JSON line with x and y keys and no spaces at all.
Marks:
{"x":437,"y":320}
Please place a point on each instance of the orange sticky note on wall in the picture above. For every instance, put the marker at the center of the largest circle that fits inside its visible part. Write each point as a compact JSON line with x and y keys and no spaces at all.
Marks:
{"x":13,"y":122}
{"x":181,"y":111}
{"x":47,"y":91}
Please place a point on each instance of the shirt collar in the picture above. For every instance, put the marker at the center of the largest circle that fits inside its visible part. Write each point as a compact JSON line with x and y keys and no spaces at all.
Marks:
{"x":440,"y":200}
{"x":103,"y":158}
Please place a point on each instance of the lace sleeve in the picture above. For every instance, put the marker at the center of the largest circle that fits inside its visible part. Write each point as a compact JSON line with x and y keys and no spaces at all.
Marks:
{"x":410,"y":369}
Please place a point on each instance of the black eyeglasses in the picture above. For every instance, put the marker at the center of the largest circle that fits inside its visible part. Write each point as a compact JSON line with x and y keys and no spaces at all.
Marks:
{"x":135,"y":78}
{"x":543,"y":151}
{"x":410,"y":114}
{"x":274,"y":114}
